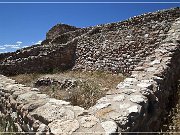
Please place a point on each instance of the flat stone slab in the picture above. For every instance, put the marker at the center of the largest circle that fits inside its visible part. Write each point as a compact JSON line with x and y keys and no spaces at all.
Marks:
{"x":59,"y":127}
{"x":88,"y":121}
{"x":109,"y":127}
{"x":137,"y":99}
{"x":48,"y":113}
{"x":31,"y":96}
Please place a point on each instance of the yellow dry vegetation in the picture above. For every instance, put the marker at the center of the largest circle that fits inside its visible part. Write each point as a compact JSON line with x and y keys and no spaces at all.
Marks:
{"x":95,"y":84}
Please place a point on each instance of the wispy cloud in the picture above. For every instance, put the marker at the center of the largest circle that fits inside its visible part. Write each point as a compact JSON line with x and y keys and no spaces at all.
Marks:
{"x":15,"y":47}
{"x":18,"y":42}
{"x":4,"y":52}
{"x":10,"y":45}
{"x":25,"y":46}
{"x":39,"y":42}
{"x":2,"y":48}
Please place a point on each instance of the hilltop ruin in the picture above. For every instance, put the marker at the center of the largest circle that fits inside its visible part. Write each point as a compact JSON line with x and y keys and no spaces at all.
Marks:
{"x":145,"y":47}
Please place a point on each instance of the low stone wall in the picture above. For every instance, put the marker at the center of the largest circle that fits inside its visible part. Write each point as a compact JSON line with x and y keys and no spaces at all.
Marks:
{"x":52,"y":54}
{"x":40,"y":59}
{"x":137,"y":105}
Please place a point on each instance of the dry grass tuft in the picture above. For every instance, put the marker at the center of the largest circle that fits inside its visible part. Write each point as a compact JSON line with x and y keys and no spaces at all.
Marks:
{"x":93,"y":87}
{"x":26,"y":79}
{"x":105,"y":79}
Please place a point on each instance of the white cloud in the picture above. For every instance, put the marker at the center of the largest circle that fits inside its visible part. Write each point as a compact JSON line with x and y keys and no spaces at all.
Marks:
{"x":39,"y":42}
{"x":25,"y":46}
{"x":6,"y":45}
{"x":4,"y":52}
{"x":15,"y":47}
{"x":2,"y":48}
{"x":18,"y":42}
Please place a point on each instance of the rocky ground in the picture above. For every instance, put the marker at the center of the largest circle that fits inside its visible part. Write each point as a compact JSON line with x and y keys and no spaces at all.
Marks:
{"x":80,"y":88}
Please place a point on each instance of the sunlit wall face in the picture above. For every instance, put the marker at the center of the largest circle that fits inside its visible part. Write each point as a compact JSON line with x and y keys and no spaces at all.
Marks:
{"x":28,"y":22}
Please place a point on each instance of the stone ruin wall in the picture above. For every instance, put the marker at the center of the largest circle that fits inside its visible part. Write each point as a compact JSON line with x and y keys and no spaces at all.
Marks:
{"x":40,"y":59}
{"x":138,"y":104}
{"x":114,"y":47}
{"x":119,"y":47}
{"x":58,"y":30}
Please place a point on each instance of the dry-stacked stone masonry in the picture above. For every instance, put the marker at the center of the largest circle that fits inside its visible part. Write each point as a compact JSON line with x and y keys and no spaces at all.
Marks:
{"x":58,"y":30}
{"x":115,"y":47}
{"x":137,"y":105}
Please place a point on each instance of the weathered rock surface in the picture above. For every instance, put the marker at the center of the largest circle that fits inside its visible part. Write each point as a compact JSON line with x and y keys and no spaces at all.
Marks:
{"x":63,"y":83}
{"x":114,"y":47}
{"x":58,"y":30}
{"x":137,"y":105}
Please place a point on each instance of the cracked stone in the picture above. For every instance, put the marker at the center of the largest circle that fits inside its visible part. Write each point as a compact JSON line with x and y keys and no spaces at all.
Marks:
{"x":134,"y":108}
{"x":124,"y":105}
{"x":110,"y":127}
{"x":59,"y":127}
{"x":102,"y":105}
{"x":130,"y":80}
{"x":137,"y":98}
{"x":151,"y":69}
{"x":144,"y":85}
{"x":88,"y":121}
{"x":119,"y":98}
{"x":128,"y":91}
{"x":103,"y":99}
{"x":42,"y":128}
{"x":58,"y":102}
{"x":123,"y":85}
{"x":31,"y":97}
{"x":47,"y":113}
{"x":155,"y":62}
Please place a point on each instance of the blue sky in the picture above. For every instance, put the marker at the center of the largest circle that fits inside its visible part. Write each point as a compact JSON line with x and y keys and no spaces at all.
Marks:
{"x":26,"y":24}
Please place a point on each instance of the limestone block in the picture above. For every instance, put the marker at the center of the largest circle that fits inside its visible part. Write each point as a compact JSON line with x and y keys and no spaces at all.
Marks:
{"x":88,"y":121}
{"x":110,"y":127}
{"x":59,"y":127}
